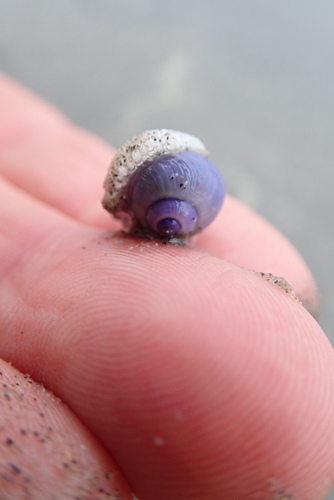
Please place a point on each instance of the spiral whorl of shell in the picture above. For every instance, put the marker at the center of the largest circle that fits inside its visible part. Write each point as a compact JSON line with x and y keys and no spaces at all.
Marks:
{"x":136,"y":152}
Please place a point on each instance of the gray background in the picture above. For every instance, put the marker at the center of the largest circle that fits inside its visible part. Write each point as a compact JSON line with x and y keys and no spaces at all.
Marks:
{"x":253,"y":79}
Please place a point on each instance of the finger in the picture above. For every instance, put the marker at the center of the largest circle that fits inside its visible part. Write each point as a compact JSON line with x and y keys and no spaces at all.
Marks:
{"x":41,"y":153}
{"x":200,"y":378}
{"x":244,"y":238}
{"x":46,"y":452}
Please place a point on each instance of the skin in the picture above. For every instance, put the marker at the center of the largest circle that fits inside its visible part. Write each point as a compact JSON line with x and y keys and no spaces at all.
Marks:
{"x":179,"y":366}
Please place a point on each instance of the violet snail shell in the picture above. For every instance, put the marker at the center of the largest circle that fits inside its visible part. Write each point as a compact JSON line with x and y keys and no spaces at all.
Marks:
{"x":161,"y":184}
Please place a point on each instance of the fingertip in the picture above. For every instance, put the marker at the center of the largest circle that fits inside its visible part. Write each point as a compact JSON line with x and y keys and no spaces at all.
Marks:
{"x":202,"y":379}
{"x":240,"y":401}
{"x":46,"y":449}
{"x":221,"y":382}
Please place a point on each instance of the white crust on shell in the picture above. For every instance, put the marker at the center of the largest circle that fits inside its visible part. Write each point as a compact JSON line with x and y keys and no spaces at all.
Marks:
{"x":137,"y":151}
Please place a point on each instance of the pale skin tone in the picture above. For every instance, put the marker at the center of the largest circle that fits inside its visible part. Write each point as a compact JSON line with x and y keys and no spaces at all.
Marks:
{"x":193,"y":374}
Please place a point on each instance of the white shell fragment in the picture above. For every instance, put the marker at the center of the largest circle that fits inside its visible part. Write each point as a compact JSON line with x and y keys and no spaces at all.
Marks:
{"x":138,"y":150}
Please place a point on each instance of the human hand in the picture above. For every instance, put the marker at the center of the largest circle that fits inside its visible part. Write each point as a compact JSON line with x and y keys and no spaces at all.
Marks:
{"x":197,"y":377}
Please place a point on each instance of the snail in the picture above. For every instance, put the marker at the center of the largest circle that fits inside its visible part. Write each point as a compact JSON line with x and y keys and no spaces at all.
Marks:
{"x":161,"y":184}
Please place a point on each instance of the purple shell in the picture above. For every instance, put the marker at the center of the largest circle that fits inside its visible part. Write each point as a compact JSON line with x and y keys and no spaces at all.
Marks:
{"x":172,"y":196}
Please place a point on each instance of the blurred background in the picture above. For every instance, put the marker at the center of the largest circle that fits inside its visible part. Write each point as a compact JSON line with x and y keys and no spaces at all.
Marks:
{"x":254,"y":80}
